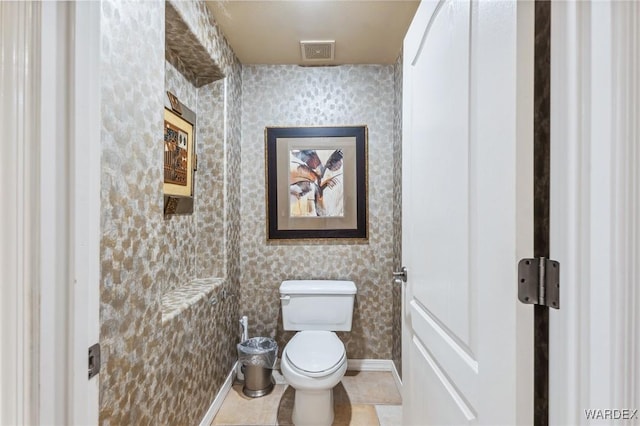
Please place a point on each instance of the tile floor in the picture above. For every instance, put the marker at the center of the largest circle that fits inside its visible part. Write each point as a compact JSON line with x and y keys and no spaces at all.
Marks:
{"x":363,"y":398}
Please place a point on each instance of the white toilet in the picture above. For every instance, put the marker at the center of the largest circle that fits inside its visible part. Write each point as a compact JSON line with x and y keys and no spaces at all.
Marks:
{"x":314,"y":360}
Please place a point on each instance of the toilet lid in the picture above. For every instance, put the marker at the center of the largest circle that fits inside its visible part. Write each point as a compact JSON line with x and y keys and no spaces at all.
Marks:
{"x":315,"y":351}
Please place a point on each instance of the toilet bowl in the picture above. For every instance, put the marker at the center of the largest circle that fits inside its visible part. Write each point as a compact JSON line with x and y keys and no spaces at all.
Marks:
{"x":314,"y":361}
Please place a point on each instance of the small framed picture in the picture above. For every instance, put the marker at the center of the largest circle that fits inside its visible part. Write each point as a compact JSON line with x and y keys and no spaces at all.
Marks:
{"x":178,"y":155}
{"x":316,"y":182}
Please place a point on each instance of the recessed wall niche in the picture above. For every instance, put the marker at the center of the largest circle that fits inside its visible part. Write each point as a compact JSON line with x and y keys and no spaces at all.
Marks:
{"x":194,"y":91}
{"x":191,"y":59}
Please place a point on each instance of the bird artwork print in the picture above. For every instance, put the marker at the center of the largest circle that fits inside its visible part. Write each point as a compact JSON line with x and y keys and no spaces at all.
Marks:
{"x":316,"y":183}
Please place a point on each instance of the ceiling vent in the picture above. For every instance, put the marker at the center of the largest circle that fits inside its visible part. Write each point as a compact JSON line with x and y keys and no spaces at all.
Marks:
{"x":318,"y":50}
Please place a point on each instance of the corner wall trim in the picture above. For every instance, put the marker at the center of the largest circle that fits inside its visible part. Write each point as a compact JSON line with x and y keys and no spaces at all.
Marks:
{"x":219,"y":399}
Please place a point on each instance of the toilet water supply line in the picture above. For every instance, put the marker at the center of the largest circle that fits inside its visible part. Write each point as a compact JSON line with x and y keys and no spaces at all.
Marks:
{"x":244,"y":325}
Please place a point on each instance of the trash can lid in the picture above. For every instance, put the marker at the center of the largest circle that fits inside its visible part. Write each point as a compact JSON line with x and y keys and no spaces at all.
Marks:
{"x":258,"y":345}
{"x":315,"y":351}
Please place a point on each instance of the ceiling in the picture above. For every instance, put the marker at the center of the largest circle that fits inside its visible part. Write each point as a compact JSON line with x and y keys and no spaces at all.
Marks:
{"x":270,"y":31}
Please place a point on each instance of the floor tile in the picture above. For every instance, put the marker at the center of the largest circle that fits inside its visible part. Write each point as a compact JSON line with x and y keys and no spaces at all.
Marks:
{"x":345,"y":413}
{"x":389,"y":415}
{"x":279,"y":378}
{"x":285,"y":407}
{"x":355,"y":415}
{"x":238,"y":409}
{"x":371,"y":387}
{"x":366,"y":398}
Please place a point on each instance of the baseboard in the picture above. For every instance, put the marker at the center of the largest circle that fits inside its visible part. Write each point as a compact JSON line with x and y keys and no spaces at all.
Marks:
{"x":219,"y":399}
{"x":396,"y":376}
{"x":376,"y":365}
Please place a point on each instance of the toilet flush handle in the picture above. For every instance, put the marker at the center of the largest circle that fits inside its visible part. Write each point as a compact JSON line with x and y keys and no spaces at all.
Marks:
{"x":285,"y":297}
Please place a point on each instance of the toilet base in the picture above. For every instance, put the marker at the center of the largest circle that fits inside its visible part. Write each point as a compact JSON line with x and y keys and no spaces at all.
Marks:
{"x":313,"y":407}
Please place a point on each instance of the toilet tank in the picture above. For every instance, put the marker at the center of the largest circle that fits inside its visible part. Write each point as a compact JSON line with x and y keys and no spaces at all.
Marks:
{"x":317,"y":304}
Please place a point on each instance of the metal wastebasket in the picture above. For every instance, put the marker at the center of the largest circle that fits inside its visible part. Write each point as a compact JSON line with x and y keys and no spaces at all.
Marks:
{"x":257,"y":357}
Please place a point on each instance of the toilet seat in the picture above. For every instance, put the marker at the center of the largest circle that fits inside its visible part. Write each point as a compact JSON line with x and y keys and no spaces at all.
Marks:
{"x":315,"y":353}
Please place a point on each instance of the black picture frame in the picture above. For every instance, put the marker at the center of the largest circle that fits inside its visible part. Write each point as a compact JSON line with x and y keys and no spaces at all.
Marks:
{"x":326,"y":168}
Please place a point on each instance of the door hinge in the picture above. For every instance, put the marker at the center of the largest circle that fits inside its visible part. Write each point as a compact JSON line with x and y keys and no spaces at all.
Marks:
{"x":539,"y":282}
{"x":94,"y":360}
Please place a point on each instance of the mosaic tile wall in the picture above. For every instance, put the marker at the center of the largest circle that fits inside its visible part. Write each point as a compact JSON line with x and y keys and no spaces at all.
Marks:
{"x":210,"y":255}
{"x":396,"y":353}
{"x":179,"y":232}
{"x":134,"y":248}
{"x":301,"y":96}
{"x":198,"y":353}
{"x":168,"y":373}
{"x":155,"y":372}
{"x":201,"y":23}
{"x":233,"y":136}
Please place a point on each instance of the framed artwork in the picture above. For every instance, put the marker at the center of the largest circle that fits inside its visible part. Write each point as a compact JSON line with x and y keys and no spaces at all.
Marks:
{"x":316,"y":182}
{"x":178,"y":155}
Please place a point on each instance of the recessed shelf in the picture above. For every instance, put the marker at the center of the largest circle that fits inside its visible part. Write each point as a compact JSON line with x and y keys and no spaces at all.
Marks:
{"x":182,"y":298}
{"x":185,"y":52}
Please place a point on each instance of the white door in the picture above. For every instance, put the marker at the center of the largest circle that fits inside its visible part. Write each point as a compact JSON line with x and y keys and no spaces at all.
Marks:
{"x":467,"y":213}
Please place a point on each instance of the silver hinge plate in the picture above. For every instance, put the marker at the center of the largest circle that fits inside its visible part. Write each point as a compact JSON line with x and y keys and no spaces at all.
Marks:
{"x":539,"y":282}
{"x":94,"y":360}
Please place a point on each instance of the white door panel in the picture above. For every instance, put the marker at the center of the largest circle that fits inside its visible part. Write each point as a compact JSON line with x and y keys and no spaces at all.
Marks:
{"x":442,"y":173}
{"x":464,"y":223}
{"x":442,"y":401}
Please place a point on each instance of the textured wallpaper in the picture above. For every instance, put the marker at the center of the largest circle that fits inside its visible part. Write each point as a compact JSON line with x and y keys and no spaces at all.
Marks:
{"x":133,"y":247}
{"x":202,"y":25}
{"x":311,"y":96}
{"x":185,"y":51}
{"x":396,"y":354}
{"x":158,"y":373}
{"x":209,"y":200}
{"x":179,"y":232}
{"x":233,"y":113}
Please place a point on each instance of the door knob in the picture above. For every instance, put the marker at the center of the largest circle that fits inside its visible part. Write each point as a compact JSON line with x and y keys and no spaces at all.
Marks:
{"x":401,"y":274}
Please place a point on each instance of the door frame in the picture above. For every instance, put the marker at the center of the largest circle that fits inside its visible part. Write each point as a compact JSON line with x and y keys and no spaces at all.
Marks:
{"x":595,"y":208}
{"x":20,"y":40}
{"x":86,"y":119}
{"x":52,"y":228}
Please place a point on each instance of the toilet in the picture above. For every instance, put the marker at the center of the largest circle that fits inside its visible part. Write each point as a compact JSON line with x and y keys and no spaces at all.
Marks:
{"x":314,"y":360}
